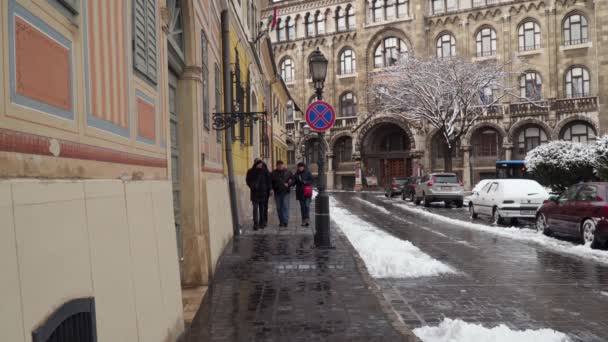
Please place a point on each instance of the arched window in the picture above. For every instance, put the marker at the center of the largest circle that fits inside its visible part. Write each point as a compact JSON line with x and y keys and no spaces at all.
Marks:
{"x":377,"y":10}
{"x":486,"y":143}
{"x":577,"y":82}
{"x":281,"y":36}
{"x":351,"y":21}
{"x":287,"y":70}
{"x":348,"y":63}
{"x":403,"y":8}
{"x":343,"y":150}
{"x":529,"y":138}
{"x":340,"y":20}
{"x":389,"y":51}
{"x":446,"y":46}
{"x":486,"y":42}
{"x":529,"y":36}
{"x":579,"y":131}
{"x":576,"y":30}
{"x":531,"y":86}
{"x":348,"y":104}
{"x":310,"y":25}
{"x":395,"y":141}
{"x":291,"y":28}
{"x":320,"y":22}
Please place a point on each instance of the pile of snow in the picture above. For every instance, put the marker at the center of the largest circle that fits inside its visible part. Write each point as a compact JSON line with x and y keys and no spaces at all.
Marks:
{"x":518,"y":234}
{"x":385,"y":256}
{"x":375,"y":206}
{"x":459,"y":331}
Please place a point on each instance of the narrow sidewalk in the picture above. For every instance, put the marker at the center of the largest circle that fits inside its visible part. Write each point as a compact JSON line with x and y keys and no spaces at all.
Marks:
{"x":273,"y":285}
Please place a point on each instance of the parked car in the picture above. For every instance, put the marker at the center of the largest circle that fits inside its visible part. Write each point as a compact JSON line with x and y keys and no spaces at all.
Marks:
{"x":394,"y":187}
{"x":409,"y":189}
{"x":503,"y":199}
{"x":440,"y":187}
{"x":476,"y":189}
{"x":581,"y":211}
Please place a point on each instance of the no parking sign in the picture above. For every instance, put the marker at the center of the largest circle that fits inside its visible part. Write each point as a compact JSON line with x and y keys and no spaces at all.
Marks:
{"x":320,"y":116}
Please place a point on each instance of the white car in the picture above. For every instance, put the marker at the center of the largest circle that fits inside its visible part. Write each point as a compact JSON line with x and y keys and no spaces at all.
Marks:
{"x":476,"y":189}
{"x":503,"y":199}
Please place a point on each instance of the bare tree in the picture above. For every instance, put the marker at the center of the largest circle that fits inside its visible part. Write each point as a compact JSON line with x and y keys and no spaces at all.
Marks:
{"x":450,"y":94}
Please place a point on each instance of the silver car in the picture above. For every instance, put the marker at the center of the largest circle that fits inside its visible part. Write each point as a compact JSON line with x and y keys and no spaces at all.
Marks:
{"x":436,"y":187}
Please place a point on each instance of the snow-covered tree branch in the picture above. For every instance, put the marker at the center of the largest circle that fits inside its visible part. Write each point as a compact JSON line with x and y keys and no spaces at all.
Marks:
{"x":450,"y":94}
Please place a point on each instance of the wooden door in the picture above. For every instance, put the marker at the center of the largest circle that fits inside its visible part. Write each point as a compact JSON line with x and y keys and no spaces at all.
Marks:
{"x":396,"y":168}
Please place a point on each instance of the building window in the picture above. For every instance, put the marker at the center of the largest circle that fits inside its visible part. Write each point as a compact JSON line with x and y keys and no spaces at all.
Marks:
{"x":446,"y":46}
{"x":579,"y":131}
{"x":531,"y":86}
{"x":351,"y":21}
{"x":530,"y":138}
{"x":487,"y":95}
{"x":443,"y":6}
{"x":287,"y":70}
{"x":320,"y":23}
{"x":310,"y":25}
{"x":347,"y":62}
{"x":205,"y":77}
{"x":344,"y":150}
{"x":340,"y":20}
{"x":290,"y":110}
{"x":486,"y":42}
{"x":145,"y":58}
{"x":281,"y":34}
{"x":529,"y":36}
{"x":389,"y":51}
{"x":486,"y":143}
{"x":576,"y":30}
{"x":577,"y":82}
{"x":218,"y":97}
{"x":291,"y":28}
{"x":348,"y":104}
{"x":389,"y":9}
{"x":402,"y":8}
{"x":377,"y":10}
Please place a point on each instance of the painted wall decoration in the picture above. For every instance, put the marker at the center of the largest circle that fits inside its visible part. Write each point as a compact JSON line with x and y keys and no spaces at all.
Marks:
{"x":106,"y":33}
{"x":146,"y":118}
{"x":41,"y":69}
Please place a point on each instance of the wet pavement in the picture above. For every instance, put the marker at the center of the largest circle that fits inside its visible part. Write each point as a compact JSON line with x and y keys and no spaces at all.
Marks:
{"x":500,"y":280}
{"x":272,"y":285}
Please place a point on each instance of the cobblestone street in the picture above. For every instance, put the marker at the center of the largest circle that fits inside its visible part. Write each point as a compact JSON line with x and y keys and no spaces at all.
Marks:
{"x":499,"y":280}
{"x":272,"y":285}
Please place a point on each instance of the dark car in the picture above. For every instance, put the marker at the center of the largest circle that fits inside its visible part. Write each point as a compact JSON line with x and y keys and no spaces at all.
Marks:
{"x":581,"y":211}
{"x":395,"y":186}
{"x":409,"y":189}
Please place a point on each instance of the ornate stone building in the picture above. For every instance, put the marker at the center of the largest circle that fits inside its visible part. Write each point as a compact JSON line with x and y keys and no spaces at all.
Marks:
{"x":556,"y":42}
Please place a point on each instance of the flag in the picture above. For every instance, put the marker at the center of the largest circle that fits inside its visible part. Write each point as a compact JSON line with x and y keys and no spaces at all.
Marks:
{"x":272,"y":19}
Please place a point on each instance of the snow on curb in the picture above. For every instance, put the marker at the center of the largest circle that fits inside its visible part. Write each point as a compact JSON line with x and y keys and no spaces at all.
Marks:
{"x":518,"y":234}
{"x":385,"y":256}
{"x":450,"y":330}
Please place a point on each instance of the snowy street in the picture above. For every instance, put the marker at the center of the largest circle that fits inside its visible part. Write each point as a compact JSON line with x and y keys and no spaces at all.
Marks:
{"x":482,"y":275}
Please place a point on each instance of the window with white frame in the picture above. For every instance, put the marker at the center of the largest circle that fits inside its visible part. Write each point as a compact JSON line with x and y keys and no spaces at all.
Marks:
{"x":389,"y":51}
{"x":531,"y":86}
{"x":446,"y":46}
{"x":529,"y":36}
{"x":320,"y":22}
{"x":348,"y":64}
{"x":309,"y":22}
{"x":351,"y":21}
{"x":340,"y":19}
{"x":579,"y":131}
{"x":486,"y":42}
{"x":402,"y":8}
{"x":281,"y":34}
{"x":576,"y":30}
{"x":287,"y":70}
{"x":529,"y":138}
{"x":577,"y":82}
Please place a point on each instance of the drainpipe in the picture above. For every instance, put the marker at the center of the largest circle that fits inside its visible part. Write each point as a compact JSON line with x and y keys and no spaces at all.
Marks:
{"x":236,"y":228}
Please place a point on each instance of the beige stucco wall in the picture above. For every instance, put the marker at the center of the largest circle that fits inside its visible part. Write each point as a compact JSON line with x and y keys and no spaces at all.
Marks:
{"x":109,"y":239}
{"x":220,"y":223}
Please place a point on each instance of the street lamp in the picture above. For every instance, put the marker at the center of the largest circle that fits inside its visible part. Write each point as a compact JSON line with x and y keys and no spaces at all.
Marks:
{"x":318,"y":71}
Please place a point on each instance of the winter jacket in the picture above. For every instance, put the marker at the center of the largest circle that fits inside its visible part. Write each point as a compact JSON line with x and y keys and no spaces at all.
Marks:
{"x":301,"y":179}
{"x":259,"y":183}
{"x":279,"y":178}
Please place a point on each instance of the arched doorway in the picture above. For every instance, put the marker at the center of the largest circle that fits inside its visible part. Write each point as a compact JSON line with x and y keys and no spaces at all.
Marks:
{"x":385,"y":153}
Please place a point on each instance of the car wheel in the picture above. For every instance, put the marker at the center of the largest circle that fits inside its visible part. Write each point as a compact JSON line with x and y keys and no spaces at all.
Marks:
{"x":496,"y":218}
{"x":588,"y":234}
{"x":472,"y":211}
{"x":541,"y":225}
{"x":459,"y":204}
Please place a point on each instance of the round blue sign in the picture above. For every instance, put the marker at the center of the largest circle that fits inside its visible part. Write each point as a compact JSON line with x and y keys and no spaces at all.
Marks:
{"x":320,"y":116}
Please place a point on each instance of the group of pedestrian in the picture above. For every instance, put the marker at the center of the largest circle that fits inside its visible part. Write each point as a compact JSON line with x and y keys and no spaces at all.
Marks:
{"x":263,"y":183}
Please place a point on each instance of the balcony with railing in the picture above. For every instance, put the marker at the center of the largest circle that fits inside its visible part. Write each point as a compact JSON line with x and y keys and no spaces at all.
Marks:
{"x":530,"y":108}
{"x":575,"y":104}
{"x":345,"y":122}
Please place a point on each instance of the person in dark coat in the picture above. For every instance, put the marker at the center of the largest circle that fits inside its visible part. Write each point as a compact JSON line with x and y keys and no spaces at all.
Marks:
{"x":259,"y":183}
{"x":282,"y":181}
{"x":303,"y":178}
{"x":264,"y":213}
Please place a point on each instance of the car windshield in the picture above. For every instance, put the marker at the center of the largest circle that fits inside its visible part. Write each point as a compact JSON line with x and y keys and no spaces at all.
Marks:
{"x":451,"y":179}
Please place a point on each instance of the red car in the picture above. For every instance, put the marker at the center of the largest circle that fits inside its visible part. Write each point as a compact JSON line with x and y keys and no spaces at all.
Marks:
{"x":581,"y":211}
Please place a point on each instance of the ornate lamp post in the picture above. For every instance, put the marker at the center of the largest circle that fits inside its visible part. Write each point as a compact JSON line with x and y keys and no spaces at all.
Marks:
{"x":318,"y":71}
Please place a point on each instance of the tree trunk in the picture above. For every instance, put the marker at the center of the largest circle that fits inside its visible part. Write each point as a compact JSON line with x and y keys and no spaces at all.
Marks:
{"x":447,"y":158}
